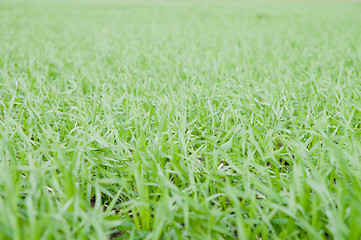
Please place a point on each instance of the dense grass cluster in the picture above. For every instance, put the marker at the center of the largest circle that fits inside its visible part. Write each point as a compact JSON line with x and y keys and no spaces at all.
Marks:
{"x":180,"y":120}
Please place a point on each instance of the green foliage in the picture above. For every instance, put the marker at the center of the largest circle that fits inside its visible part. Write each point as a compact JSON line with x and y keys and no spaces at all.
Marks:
{"x":180,"y":120}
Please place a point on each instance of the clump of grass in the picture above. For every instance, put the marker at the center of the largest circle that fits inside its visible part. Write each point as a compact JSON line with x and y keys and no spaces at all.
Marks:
{"x":176,"y":120}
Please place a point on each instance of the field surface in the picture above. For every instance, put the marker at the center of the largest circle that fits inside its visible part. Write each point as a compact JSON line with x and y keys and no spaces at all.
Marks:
{"x":180,"y":120}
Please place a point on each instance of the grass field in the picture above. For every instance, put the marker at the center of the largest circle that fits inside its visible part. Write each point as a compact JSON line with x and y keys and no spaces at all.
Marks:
{"x":180,"y":120}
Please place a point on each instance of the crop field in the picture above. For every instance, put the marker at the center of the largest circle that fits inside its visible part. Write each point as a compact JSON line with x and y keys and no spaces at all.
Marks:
{"x":180,"y":120}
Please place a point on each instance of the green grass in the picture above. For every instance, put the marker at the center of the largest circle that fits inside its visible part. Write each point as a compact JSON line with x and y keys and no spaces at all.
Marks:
{"x":180,"y":120}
